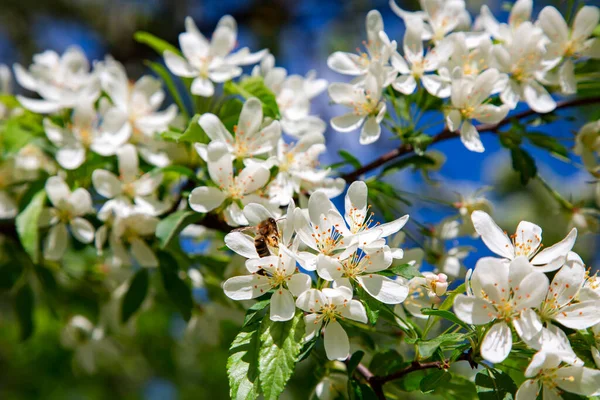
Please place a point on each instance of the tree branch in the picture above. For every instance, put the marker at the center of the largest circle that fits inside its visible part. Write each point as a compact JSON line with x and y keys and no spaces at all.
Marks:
{"x":445,"y":134}
{"x":377,"y":382}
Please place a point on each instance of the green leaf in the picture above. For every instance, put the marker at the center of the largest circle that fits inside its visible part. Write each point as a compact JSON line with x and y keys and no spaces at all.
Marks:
{"x":281,"y":343}
{"x":407,"y":271}
{"x":24,"y":304}
{"x":27,"y":225}
{"x":255,"y":311}
{"x":386,"y":362}
{"x":177,"y":290}
{"x":192,"y":134}
{"x":242,"y":364}
{"x":434,"y":380}
{"x":450,"y":316}
{"x":350,"y":159}
{"x":450,"y":296}
{"x":524,"y":164}
{"x":138,"y":288}
{"x":354,"y":361}
{"x":428,"y":347}
{"x":549,"y":143}
{"x":164,"y":74}
{"x":493,"y":384}
{"x":169,"y":228}
{"x":255,"y":87}
{"x":307,"y":348}
{"x":176,"y":169}
{"x":157,"y":44}
{"x":360,"y":391}
{"x":371,"y":306}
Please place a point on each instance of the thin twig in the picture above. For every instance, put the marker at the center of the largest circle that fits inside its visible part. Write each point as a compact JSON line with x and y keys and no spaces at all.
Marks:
{"x":446,"y":134}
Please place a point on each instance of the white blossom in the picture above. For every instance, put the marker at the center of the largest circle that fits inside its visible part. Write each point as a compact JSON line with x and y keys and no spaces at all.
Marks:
{"x":209,"y":62}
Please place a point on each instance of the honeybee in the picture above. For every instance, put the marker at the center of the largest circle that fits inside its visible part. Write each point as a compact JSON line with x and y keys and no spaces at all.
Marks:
{"x":266,"y":235}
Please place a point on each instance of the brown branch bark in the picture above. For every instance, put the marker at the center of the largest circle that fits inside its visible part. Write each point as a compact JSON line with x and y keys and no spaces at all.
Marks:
{"x":377,"y":382}
{"x":446,"y":134}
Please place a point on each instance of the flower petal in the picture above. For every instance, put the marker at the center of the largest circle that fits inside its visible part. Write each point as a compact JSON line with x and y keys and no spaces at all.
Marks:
{"x":246,"y":287}
{"x":497,"y":343}
{"x":384,"y":289}
{"x":106,"y":183}
{"x":337,"y":344}
{"x":204,"y":199}
{"x":491,"y":234}
{"x":282,"y":305}
{"x":82,"y":230}
{"x":56,"y":242}
{"x":242,"y":244}
{"x":299,"y":283}
{"x":473,"y":310}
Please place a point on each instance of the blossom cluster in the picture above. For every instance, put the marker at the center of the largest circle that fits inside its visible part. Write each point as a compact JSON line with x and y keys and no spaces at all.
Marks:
{"x":485,"y":68}
{"x":513,"y":293}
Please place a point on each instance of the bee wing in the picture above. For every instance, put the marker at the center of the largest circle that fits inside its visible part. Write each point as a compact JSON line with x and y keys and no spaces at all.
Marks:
{"x":245,"y":229}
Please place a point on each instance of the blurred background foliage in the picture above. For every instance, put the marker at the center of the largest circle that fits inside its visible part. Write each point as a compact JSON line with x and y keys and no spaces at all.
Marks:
{"x":155,"y":355}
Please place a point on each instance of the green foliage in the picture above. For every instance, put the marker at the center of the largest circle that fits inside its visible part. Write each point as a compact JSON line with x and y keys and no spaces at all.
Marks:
{"x":386,"y":362}
{"x":242,"y":364}
{"x":177,"y":290}
{"x":27,"y":225}
{"x":524,"y":164}
{"x":229,"y":113}
{"x":349,"y":159}
{"x":254,"y":87}
{"x":280,"y":345}
{"x":135,"y":295}
{"x":354,"y":361}
{"x":436,"y":379}
{"x":547,"y":142}
{"x":428,"y":347}
{"x":192,"y":134}
{"x":450,"y":316}
{"x":157,"y":44}
{"x":24,"y":307}
{"x":493,"y":384}
{"x":360,"y":391}
{"x":415,"y":161}
{"x":168,"y":229}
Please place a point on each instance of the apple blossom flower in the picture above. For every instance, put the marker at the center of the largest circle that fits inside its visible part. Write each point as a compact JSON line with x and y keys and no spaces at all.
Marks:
{"x":297,"y":165}
{"x":209,"y":62}
{"x":68,"y":209}
{"x":559,"y":304}
{"x":500,"y":294}
{"x":89,"y":342}
{"x":324,"y":309}
{"x":253,"y":136}
{"x":63,"y":81}
{"x":102,"y":133}
{"x":435,"y":284}
{"x":368,"y":108}
{"x":362,"y":268}
{"x":415,"y":65}
{"x":419,"y":297}
{"x":525,"y":242}
{"x":470,"y":61}
{"x":523,"y":61}
{"x":139,"y":102}
{"x":505,"y":32}
{"x":440,"y":17}
{"x":378,"y":51}
{"x":548,"y":375}
{"x":230,"y":189}
{"x":358,"y":222}
{"x":279,"y":273}
{"x":293,"y":94}
{"x":129,"y":229}
{"x":569,"y":44}
{"x":142,"y":190}
{"x":469,"y":96}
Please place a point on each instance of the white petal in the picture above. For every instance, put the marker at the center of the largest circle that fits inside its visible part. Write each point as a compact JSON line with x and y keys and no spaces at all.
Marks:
{"x":250,"y":117}
{"x":530,"y":389}
{"x":490,"y":114}
{"x":56,"y":242}
{"x":202,"y":87}
{"x":57,"y":190}
{"x":436,"y":86}
{"x":566,"y":283}
{"x":405,"y":84}
{"x":337,"y":345}
{"x":242,"y":244}
{"x":70,"y":157}
{"x":491,"y":234}
{"x":82,"y":230}
{"x":566,"y":74}
{"x":128,"y":163}
{"x":473,"y":310}
{"x":106,"y":183}
{"x":214,"y":128}
{"x":253,"y":177}
{"x":246,"y":287}
{"x":579,"y":380}
{"x":256,"y":213}
{"x":497,"y":343}
{"x":528,"y":325}
{"x":342,"y":93}
{"x":282,"y":305}
{"x":538,"y":98}
{"x":585,"y":22}
{"x":345,"y":63}
{"x":311,"y":300}
{"x":178,"y":66}
{"x":553,"y":24}
{"x":80,"y":202}
{"x":142,"y":253}
{"x":355,"y":310}
{"x":204,"y":199}
{"x":384,"y":289}
{"x":347,"y":122}
{"x":370,"y":131}
{"x":299,"y":283}
{"x":580,"y":316}
{"x":531,"y":290}
{"x":453,"y":120}
{"x":470,"y":137}
{"x":491,"y":278}
{"x":556,"y":251}
{"x":328,"y":268}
